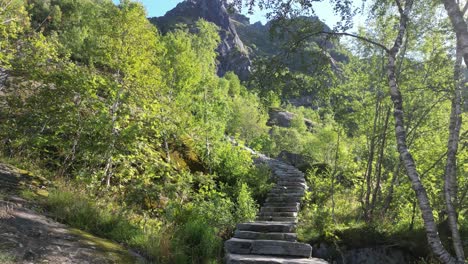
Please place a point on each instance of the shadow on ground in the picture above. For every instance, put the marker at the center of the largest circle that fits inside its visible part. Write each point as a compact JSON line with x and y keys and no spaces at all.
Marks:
{"x":27,"y":235}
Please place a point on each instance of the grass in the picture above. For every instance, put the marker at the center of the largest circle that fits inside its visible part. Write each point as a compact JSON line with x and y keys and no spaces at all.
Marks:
{"x":190,"y":241}
{"x":6,"y":258}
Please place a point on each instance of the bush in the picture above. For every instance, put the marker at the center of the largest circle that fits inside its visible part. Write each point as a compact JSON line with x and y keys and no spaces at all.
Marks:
{"x":246,"y":207}
{"x":196,"y":242}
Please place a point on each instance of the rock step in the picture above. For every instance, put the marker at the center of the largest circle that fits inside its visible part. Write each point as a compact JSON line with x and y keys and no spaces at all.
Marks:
{"x":282,"y":187}
{"x":282,"y":190}
{"x":288,"y":174}
{"x":279,"y":209}
{"x":265,"y":259}
{"x":286,"y":181}
{"x":267,"y":247}
{"x":288,"y":170}
{"x":281,"y":204}
{"x":280,"y":181}
{"x":285,"y":199}
{"x":277,"y":219}
{"x":265,"y":236}
{"x":285,"y":194}
{"x":291,"y":178}
{"x":286,"y":191}
{"x":276,"y":214}
{"x":290,"y":184}
{"x":298,"y":189}
{"x":267,"y":227}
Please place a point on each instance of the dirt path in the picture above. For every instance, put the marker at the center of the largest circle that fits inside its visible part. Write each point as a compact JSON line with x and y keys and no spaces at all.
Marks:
{"x":29,"y":236}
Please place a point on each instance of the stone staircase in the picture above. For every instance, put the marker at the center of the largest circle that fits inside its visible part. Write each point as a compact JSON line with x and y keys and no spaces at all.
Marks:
{"x":271,"y":239}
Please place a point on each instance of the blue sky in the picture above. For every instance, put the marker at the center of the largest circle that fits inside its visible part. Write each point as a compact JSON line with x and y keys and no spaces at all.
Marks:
{"x":160,"y":7}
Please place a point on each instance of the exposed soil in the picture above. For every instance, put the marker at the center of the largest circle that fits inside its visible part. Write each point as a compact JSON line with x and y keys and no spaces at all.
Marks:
{"x":27,"y":235}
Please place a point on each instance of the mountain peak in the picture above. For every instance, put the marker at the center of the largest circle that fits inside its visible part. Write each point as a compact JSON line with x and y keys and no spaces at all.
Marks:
{"x":232,"y":54}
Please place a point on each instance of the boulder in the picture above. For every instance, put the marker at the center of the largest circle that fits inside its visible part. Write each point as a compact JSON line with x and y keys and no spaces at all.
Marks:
{"x":302,"y":162}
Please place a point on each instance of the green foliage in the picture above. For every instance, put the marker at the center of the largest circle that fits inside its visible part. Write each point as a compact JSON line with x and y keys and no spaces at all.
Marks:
{"x":246,"y":206}
{"x":14,"y":22}
{"x":140,"y":119}
{"x":6,"y":258}
{"x":196,"y":242}
{"x":97,"y":95}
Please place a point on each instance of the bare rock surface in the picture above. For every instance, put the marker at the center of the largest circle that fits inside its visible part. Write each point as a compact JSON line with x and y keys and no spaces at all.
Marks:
{"x":27,"y":235}
{"x":259,"y":259}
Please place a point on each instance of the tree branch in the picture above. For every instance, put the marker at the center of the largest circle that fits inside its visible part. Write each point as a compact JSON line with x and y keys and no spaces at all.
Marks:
{"x":357,"y":37}
{"x":8,"y":21}
{"x":400,"y":8}
{"x":465,"y":8}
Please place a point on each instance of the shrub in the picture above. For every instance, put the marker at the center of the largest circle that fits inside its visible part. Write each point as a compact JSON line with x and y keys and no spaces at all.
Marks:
{"x":196,"y":242}
{"x":246,"y":206}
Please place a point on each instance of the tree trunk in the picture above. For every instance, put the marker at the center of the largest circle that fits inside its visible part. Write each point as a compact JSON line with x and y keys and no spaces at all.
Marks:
{"x":459,"y":25}
{"x":370,"y":162}
{"x":333,"y":175}
{"x":413,"y":216}
{"x":379,"y":163}
{"x":461,"y":29}
{"x":450,"y":183}
{"x":400,"y":133}
{"x":114,"y":133}
{"x":389,"y":198}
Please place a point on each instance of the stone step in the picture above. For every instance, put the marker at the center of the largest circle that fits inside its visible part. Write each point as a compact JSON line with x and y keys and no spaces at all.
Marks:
{"x":290,"y":184}
{"x":289,"y":169}
{"x":286,"y":181}
{"x":286,"y":190}
{"x":276,"y":214}
{"x":294,"y":187}
{"x":279,"y":209}
{"x":281,"y":204}
{"x":267,"y":227}
{"x":289,"y":187}
{"x":285,"y":194}
{"x":290,"y":176}
{"x":280,"y":180}
{"x":277,"y":219}
{"x":268,"y":247}
{"x":284,"y":173}
{"x":266,"y":259}
{"x":265,"y":236}
{"x":285,"y":199}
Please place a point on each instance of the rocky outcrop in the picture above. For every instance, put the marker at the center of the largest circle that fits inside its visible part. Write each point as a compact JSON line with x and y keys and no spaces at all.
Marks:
{"x":281,"y":118}
{"x":272,"y":238}
{"x":29,"y":236}
{"x":389,"y":254}
{"x":303,"y":163}
{"x":232,"y":54}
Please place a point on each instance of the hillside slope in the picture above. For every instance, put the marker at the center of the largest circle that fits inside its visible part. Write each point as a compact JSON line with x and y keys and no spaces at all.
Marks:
{"x":28,"y":235}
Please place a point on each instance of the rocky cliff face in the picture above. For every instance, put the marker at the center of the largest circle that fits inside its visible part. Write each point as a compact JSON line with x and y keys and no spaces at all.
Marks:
{"x":233,"y":55}
{"x":242,"y":42}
